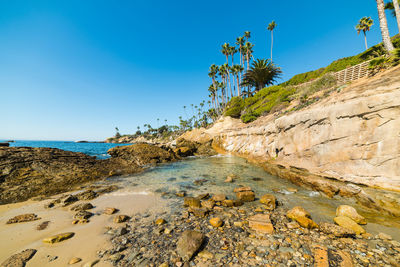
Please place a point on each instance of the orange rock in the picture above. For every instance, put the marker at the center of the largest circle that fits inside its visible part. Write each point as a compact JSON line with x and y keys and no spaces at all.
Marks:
{"x":320,"y":256}
{"x":261,"y":223}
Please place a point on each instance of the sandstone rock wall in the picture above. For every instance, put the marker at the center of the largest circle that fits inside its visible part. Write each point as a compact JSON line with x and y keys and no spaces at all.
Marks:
{"x":352,"y":136}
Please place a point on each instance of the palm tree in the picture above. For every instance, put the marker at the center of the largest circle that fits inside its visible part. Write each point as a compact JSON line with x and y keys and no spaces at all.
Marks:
{"x":236,"y":70}
{"x":248,"y":47}
{"x":222,"y":86}
{"x":213,"y":94}
{"x":232,"y":52}
{"x":240,"y":43}
{"x":384,"y":27}
{"x":364,"y":25}
{"x":226,"y":51}
{"x":394,"y":6}
{"x":271,"y":28}
{"x":247,"y":35}
{"x":262,"y":72}
{"x":226,"y":68}
{"x":212,"y":73}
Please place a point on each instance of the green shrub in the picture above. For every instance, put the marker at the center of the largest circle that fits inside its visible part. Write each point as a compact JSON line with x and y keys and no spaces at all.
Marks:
{"x":234,"y":107}
{"x":249,"y":117}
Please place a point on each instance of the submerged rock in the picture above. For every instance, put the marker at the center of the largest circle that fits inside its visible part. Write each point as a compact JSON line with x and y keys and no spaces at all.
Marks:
{"x":82,"y":206}
{"x":244,"y":194}
{"x":349,"y":211}
{"x":110,"y":211}
{"x":19,"y":259}
{"x":302,"y":217}
{"x":121,"y":218}
{"x":23,"y":218}
{"x":189,"y":243}
{"x":261,"y":223}
{"x":191,"y":202}
{"x":269,"y":201}
{"x":74,"y":260}
{"x":348,"y":223}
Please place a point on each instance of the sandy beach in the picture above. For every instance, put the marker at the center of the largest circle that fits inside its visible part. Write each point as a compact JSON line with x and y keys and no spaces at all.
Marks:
{"x":88,"y":238}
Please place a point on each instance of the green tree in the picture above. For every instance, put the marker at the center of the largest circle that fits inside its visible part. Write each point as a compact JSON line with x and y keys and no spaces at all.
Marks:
{"x":248,"y":50}
{"x":384,"y":27}
{"x":262,"y":72}
{"x":117,"y":134}
{"x":271,"y":28}
{"x":395,"y":8}
{"x":364,"y":25}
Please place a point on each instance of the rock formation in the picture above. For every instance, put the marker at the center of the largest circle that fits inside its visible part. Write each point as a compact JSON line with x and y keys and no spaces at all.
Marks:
{"x":27,"y":172}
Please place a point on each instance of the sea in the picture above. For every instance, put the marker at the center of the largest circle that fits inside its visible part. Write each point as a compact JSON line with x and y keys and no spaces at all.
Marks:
{"x":99,"y":150}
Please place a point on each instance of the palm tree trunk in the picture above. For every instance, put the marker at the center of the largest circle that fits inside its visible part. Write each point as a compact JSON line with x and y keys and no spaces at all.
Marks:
{"x":384,"y":27}
{"x":397,"y":12}
{"x":237,"y":82}
{"x":366,"y":43}
{"x":229,"y":82}
{"x":247,"y":56}
{"x":272,"y":42}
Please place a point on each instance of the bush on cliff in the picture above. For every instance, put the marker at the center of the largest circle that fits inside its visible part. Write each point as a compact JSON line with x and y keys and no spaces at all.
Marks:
{"x":234,"y":107}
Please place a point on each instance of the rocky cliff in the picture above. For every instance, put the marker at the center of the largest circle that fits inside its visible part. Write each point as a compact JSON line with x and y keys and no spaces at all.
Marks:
{"x":352,"y":136}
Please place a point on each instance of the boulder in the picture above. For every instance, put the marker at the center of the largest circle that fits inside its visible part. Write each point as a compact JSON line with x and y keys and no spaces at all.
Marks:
{"x":349,"y":211}
{"x":58,"y":238}
{"x":336,"y":230}
{"x":121,"y":218}
{"x":244,"y":194}
{"x":19,"y":259}
{"x":191,"y":202}
{"x":269,"y":201}
{"x":348,"y":223}
{"x":110,"y":211}
{"x":23,"y":218}
{"x":189,"y":243}
{"x":219,"y":197}
{"x":301,"y":216}
{"x":216,"y":222}
{"x":208,"y":204}
{"x":82,"y":206}
{"x":83,"y":215}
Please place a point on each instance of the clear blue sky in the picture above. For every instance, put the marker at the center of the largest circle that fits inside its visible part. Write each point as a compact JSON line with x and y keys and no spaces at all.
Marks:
{"x":73,"y":70}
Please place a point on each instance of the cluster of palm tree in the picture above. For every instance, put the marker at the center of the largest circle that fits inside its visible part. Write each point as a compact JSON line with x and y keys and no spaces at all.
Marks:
{"x":230,"y":79}
{"x":365,"y":23}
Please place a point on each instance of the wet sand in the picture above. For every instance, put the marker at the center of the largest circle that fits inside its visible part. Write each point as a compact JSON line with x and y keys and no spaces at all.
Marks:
{"x":88,"y":239}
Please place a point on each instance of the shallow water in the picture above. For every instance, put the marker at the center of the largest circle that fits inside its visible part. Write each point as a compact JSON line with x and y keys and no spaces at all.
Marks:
{"x":180,"y":176}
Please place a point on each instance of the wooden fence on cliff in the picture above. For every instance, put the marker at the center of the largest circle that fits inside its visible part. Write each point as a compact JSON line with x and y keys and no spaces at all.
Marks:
{"x":352,"y":73}
{"x":347,"y":75}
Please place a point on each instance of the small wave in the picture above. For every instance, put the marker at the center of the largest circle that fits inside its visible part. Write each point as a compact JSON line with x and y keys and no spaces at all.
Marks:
{"x":314,"y":194}
{"x":130,"y":193}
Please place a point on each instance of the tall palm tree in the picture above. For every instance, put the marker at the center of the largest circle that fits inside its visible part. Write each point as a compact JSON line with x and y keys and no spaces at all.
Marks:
{"x":240,"y":43}
{"x":222,"y":74}
{"x":384,"y":27}
{"x":222,"y":86}
{"x":236,"y":70}
{"x":394,"y":6}
{"x":212,"y":73}
{"x":227,"y":71}
{"x":262,"y":72}
{"x":364,"y":25}
{"x":271,"y":28}
{"x":248,"y":47}
{"x":247,"y":35}
{"x":226,"y":50}
{"x":213,"y":95}
{"x":232,"y":52}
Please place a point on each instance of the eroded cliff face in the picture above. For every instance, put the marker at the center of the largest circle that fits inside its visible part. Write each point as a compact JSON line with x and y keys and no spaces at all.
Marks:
{"x":352,"y":136}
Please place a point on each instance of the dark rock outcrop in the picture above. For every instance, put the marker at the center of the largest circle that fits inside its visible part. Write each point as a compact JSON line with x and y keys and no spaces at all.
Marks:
{"x":26,"y":172}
